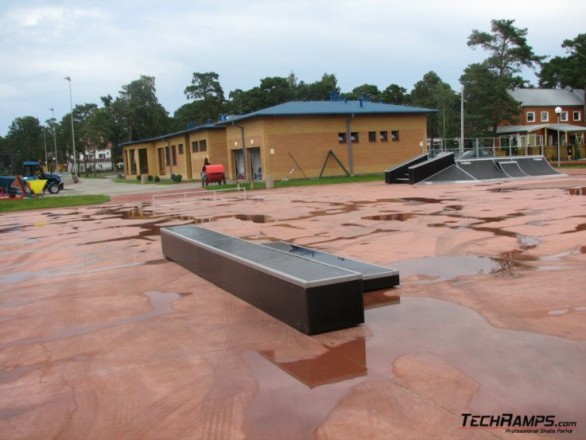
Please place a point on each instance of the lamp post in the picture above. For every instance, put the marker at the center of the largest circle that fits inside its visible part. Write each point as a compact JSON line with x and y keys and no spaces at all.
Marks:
{"x":54,"y":137}
{"x":558,"y":111}
{"x":72,"y":129}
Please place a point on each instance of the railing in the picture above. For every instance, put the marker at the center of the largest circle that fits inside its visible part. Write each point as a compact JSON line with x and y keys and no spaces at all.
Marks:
{"x":185,"y":197}
{"x":517,"y":145}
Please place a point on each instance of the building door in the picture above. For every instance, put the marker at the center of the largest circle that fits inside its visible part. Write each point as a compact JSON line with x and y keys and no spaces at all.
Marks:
{"x":161,"y":155}
{"x":255,"y":163}
{"x":143,"y":161}
{"x":239,"y":164}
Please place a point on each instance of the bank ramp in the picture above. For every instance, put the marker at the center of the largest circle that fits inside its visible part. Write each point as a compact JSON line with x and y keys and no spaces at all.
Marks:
{"x":446,"y":168}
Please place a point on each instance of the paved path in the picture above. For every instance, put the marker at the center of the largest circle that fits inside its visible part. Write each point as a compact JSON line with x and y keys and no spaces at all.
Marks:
{"x":111,"y":188}
{"x":102,"y":337}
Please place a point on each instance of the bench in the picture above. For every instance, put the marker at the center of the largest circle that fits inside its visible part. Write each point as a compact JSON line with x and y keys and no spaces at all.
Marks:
{"x":308,"y":295}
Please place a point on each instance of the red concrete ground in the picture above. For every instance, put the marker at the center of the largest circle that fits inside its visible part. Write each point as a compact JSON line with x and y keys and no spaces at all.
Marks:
{"x":102,"y":337}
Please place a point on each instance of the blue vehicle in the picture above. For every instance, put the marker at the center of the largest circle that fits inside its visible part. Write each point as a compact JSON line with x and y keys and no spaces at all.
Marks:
{"x":32,"y":170}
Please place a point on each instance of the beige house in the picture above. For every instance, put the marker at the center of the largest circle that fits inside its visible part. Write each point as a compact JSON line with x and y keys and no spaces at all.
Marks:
{"x":295,"y":139}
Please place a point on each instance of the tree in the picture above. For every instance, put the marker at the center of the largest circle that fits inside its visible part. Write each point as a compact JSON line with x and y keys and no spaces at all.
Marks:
{"x":318,"y":91}
{"x":569,"y":71}
{"x":139,"y":109}
{"x":487,"y":101}
{"x":394,"y":94}
{"x":431,"y":92}
{"x":486,"y":84}
{"x":24,"y":141}
{"x":369,"y":92}
{"x":208,"y":96}
{"x":508,"y":50}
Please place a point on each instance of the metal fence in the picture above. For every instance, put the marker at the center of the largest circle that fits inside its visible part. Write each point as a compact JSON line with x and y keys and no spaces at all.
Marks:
{"x":570,"y":148}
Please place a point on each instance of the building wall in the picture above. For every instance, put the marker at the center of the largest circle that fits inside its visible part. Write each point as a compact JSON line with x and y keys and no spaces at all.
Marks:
{"x":552,"y":117}
{"x":215,"y":149}
{"x":302,"y":144}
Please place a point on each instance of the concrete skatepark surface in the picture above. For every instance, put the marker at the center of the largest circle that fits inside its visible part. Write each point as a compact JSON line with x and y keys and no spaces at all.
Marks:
{"x":102,"y":337}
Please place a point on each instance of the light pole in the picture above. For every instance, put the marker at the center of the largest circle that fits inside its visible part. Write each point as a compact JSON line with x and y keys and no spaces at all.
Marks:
{"x":54,"y":137}
{"x":72,"y":129}
{"x":558,"y":111}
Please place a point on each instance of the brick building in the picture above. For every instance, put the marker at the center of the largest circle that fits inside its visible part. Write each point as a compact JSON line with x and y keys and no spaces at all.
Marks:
{"x":541,"y":126}
{"x":299,"y":139}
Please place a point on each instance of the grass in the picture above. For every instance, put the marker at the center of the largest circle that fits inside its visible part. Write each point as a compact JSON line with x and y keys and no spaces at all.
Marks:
{"x":11,"y":205}
{"x":332,"y":180}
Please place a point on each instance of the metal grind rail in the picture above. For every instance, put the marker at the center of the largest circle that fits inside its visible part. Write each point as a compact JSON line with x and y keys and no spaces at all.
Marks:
{"x":185,"y":197}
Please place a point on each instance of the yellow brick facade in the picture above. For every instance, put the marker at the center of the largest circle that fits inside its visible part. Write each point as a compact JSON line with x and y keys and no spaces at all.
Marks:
{"x":293,"y":146}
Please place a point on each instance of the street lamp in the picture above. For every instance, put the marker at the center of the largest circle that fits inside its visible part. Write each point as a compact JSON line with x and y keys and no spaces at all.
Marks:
{"x":72,"y":129}
{"x":54,"y":136}
{"x":558,"y":111}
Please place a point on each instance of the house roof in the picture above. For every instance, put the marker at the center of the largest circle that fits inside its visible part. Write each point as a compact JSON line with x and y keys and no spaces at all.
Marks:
{"x":301,"y":108}
{"x":170,"y":135}
{"x":510,"y":129}
{"x":548,"y":97}
{"x":343,"y":107}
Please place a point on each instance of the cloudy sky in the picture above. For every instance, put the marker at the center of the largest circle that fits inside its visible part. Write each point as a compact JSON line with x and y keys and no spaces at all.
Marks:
{"x":103,"y":45}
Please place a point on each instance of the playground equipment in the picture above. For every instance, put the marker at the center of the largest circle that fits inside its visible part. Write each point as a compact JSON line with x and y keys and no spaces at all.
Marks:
{"x":34,"y":181}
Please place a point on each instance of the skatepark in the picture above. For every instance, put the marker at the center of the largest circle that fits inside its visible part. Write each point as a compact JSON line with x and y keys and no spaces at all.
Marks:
{"x":104,"y":337}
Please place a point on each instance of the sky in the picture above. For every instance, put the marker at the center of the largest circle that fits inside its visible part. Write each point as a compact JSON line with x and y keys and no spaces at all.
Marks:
{"x":103,"y":45}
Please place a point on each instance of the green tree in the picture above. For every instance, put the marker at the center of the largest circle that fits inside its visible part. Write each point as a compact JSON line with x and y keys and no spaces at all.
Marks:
{"x":568,"y":71}
{"x":431,"y":92}
{"x":487,"y":102}
{"x":139,"y":109}
{"x":508,"y":50}
{"x":24,"y":141}
{"x":319,"y":90}
{"x":365,"y":91}
{"x":486,"y":84}
{"x":395,"y":94}
{"x":208,"y":96}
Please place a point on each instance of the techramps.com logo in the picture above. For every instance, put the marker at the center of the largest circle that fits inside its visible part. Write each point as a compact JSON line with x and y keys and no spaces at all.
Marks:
{"x":518,"y":424}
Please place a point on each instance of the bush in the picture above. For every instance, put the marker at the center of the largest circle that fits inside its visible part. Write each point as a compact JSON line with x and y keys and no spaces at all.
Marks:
{"x":150,"y":178}
{"x":176,"y":178}
{"x":138,"y":177}
{"x":157,"y":179}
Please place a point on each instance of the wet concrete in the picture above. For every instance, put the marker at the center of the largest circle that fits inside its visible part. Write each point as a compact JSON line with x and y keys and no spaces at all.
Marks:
{"x":100,"y":336}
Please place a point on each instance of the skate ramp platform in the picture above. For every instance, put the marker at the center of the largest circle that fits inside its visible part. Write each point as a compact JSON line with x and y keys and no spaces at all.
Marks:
{"x":493,"y":168}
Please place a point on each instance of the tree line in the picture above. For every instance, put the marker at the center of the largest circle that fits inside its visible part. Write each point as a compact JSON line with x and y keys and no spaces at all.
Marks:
{"x":137,"y":114}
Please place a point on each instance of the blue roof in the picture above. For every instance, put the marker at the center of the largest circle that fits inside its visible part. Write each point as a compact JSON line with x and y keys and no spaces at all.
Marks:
{"x":168,"y":135}
{"x":300,"y":108}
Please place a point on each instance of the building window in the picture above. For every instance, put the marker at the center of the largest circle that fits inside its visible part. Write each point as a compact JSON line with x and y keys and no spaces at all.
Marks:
{"x":354,"y":136}
{"x":167,"y":156}
{"x":384,"y":136}
{"x":576,"y":115}
{"x":203,"y":145}
{"x":564,"y":116}
{"x":530,"y":116}
{"x":180,"y":149}
{"x":342,"y":138}
{"x":194,"y":147}
{"x":544,"y":117}
{"x":174,"y":154}
{"x":395,"y":135}
{"x":372,"y":136}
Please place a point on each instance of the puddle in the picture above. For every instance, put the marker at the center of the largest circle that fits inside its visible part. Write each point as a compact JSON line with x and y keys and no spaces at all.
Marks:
{"x":254,"y":218}
{"x":581,"y":191}
{"x":399,"y":217}
{"x":426,"y":333}
{"x":438,"y":269}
